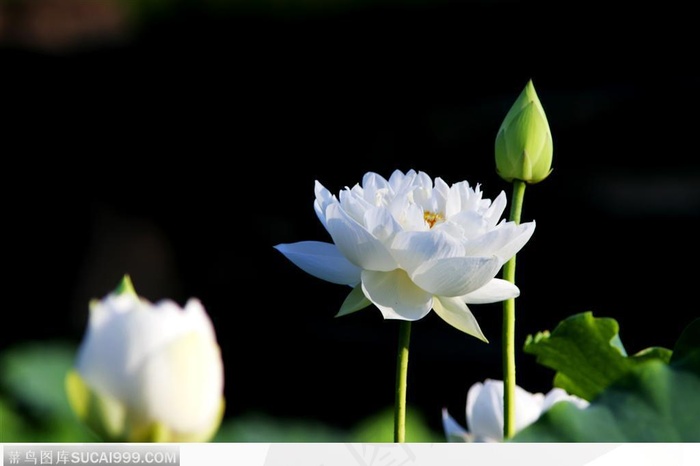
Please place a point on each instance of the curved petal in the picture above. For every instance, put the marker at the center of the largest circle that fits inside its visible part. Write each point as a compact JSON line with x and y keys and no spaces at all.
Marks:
{"x":485,"y":411}
{"x":503,"y":241}
{"x":381,"y":224}
{"x":322,"y":260}
{"x":399,"y":182}
{"x":423,"y":180}
{"x":456,"y":313}
{"x":353,"y":203}
{"x":453,"y":201}
{"x":323,"y":199}
{"x":494,"y":291}
{"x":456,"y":276}
{"x":470,"y":198}
{"x":413,"y":248}
{"x":472,"y":395}
{"x":472,"y":223}
{"x":556,"y":395}
{"x":523,"y":234}
{"x":356,"y":243}
{"x":494,"y":212}
{"x":528,"y":407}
{"x":374,"y":187}
{"x":396,"y":296}
{"x":188,"y":374}
{"x":453,"y":431}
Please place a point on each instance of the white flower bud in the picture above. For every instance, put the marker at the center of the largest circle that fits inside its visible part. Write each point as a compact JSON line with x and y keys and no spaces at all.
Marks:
{"x":148,"y":372}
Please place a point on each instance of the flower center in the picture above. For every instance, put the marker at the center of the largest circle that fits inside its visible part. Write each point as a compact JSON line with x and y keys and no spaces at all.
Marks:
{"x":431,"y":218}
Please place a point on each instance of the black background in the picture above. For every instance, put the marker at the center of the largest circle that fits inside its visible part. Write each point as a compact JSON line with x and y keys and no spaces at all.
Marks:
{"x":182,"y":156}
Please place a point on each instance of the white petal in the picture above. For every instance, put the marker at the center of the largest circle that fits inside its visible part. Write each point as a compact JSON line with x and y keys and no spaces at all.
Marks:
{"x":469,"y":198}
{"x":453,"y":431}
{"x":322,"y":260}
{"x":472,"y":223}
{"x":456,"y":276}
{"x":528,"y":407}
{"x":472,"y":396}
{"x":556,"y":395}
{"x":381,"y":224}
{"x":374,"y":185}
{"x":396,"y":296}
{"x":503,"y":241}
{"x":409,"y":215}
{"x":413,"y":248}
{"x":354,"y":204}
{"x":356,"y":243}
{"x":516,"y":243}
{"x":399,"y":182}
{"x":494,"y":212}
{"x":424,"y":181}
{"x":323,"y":199}
{"x":494,"y":291}
{"x":485,"y":411}
{"x":456,"y":313}
{"x":180,"y":384}
{"x":453,"y":201}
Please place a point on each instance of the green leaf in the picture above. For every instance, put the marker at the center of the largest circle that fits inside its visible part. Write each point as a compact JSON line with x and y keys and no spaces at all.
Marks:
{"x":380,"y":428}
{"x":686,"y":352}
{"x":12,"y":426}
{"x":654,"y":402}
{"x":34,"y":374}
{"x":263,"y":428}
{"x":33,"y":379}
{"x":587,"y":354}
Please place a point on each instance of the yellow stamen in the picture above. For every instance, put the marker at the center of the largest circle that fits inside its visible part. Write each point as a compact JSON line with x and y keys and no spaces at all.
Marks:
{"x":431,"y":218}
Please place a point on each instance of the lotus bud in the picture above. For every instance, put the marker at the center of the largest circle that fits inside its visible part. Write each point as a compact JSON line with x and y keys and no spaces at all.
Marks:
{"x":524,"y":142}
{"x":148,"y":372}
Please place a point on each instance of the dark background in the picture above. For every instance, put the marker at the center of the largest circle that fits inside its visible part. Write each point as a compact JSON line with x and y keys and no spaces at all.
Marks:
{"x":182,"y":147}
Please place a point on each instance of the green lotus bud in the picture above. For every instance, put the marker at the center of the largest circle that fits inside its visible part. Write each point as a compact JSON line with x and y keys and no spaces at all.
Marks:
{"x":524,"y":142}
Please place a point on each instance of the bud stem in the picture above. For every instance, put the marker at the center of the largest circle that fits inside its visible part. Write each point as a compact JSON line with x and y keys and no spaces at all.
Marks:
{"x":516,"y":207}
{"x":401,"y":382}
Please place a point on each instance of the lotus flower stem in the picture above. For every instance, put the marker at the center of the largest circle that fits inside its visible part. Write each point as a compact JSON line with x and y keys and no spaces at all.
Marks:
{"x":401,"y":382}
{"x":516,"y":207}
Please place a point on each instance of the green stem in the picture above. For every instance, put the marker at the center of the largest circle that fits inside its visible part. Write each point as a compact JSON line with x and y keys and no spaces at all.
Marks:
{"x":401,"y":385}
{"x":516,"y":207}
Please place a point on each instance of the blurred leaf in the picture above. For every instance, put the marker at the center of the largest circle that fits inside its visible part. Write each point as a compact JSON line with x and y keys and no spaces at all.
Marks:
{"x":376,"y":428}
{"x":587,"y":354}
{"x":262,"y":428}
{"x":686,"y":352}
{"x":34,"y":374}
{"x":12,"y":427}
{"x":654,"y":402}
{"x":380,"y":428}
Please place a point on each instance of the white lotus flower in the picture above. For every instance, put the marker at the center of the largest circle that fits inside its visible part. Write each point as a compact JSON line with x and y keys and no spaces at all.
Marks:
{"x":485,"y":411}
{"x":147,"y":371}
{"x":409,"y":245}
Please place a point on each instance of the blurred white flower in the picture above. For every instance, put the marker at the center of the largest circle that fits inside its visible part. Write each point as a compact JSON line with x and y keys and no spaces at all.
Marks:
{"x":409,"y":245}
{"x":148,"y":372}
{"x":485,"y":411}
